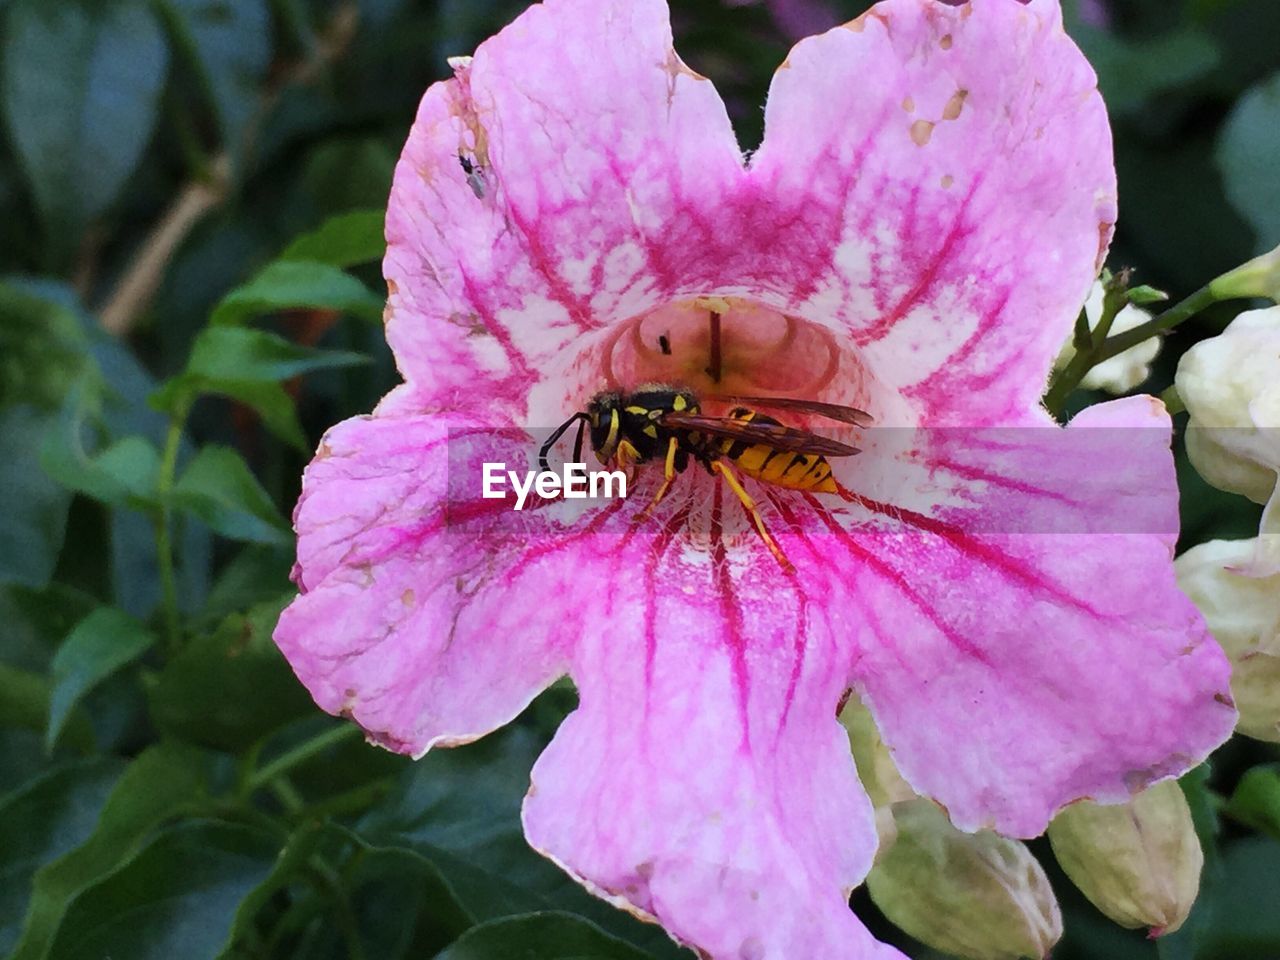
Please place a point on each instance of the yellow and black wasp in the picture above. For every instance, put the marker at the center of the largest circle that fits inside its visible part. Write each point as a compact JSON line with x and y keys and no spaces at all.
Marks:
{"x":660,"y":422}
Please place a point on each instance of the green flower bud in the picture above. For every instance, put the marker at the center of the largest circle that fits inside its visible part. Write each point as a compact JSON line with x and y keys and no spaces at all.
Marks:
{"x":1138,"y":862}
{"x":1260,"y":277}
{"x":1243,"y":613}
{"x":980,"y":896}
{"x":880,"y":777}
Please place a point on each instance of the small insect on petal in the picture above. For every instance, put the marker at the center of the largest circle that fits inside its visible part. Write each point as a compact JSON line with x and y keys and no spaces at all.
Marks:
{"x":475,"y":176}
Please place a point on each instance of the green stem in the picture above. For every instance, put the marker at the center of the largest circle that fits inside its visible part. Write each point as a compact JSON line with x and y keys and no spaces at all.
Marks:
{"x":300,"y":754}
{"x":1188,"y":308}
{"x":1104,"y":349}
{"x":288,"y":795}
{"x":164,"y":533}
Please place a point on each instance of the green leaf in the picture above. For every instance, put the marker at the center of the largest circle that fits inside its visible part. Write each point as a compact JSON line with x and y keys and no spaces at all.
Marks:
{"x":37,"y":621}
{"x":294,"y":284}
{"x":100,"y":644}
{"x":176,"y":898}
{"x":219,"y":488}
{"x":344,"y":240}
{"x":269,"y":400}
{"x":228,"y":46}
{"x":239,"y":354}
{"x":1247,"y":148}
{"x":22,"y":758}
{"x":257,"y":574}
{"x":540,"y":936}
{"x":406,"y":907}
{"x":34,"y":519}
{"x":1256,"y":800}
{"x":162,"y":781}
{"x":81,"y":84}
{"x":1132,"y":72}
{"x":125,"y":472}
{"x":42,"y":349}
{"x":461,"y":810}
{"x":24,"y":702}
{"x":41,"y":821}
{"x":1185,"y":943}
{"x":397,"y":903}
{"x":230,"y":687}
{"x":1246,"y":923}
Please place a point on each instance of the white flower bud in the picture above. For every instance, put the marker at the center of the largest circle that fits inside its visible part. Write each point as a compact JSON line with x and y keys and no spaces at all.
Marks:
{"x":1126,"y":370}
{"x":1138,"y":862}
{"x":1230,"y":385}
{"x":1243,"y":613}
{"x":975,"y":895}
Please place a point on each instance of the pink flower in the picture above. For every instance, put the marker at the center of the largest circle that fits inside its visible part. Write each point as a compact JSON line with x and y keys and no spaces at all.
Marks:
{"x":929,"y":207}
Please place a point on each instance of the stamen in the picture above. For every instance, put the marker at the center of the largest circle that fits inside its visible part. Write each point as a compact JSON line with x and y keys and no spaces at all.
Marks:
{"x":714,"y":369}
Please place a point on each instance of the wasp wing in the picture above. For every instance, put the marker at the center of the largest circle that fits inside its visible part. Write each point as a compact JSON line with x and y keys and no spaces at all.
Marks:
{"x":775,"y":435}
{"x":832,"y":411}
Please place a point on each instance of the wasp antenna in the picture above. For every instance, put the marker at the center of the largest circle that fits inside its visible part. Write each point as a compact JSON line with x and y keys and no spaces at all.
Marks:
{"x":556,"y":435}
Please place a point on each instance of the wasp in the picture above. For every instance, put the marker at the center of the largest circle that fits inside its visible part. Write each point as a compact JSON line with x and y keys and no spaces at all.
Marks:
{"x":660,"y":422}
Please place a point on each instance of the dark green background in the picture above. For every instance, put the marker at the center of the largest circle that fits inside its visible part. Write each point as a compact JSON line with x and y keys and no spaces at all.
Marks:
{"x":188,"y":800}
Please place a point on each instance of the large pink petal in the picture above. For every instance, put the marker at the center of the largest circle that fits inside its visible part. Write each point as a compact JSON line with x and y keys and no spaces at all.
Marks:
{"x":414,"y":619}
{"x":704,"y":780}
{"x":1013,"y":669}
{"x":943,"y":187}
{"x":599,"y":159}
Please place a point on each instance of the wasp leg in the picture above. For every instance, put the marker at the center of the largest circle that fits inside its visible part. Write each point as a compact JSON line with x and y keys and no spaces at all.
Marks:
{"x":750,"y":505}
{"x":668,"y":474}
{"x":625,"y":457}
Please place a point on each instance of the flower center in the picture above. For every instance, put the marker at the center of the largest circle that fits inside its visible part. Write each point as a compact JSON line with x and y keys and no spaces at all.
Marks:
{"x":729,"y":346}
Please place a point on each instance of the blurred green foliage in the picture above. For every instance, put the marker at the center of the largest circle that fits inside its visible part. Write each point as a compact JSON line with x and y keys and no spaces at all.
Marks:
{"x":191,"y":197}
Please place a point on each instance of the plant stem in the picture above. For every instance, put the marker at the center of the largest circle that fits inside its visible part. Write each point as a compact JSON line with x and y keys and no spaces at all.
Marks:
{"x":1105,"y":349}
{"x":164,"y":534}
{"x":300,"y":754}
{"x":1188,"y":308}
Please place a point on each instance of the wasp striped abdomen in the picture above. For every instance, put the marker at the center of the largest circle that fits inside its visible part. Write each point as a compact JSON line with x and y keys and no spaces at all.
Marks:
{"x":782,"y":468}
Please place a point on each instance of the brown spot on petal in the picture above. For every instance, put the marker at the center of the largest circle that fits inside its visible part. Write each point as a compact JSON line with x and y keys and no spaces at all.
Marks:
{"x":1224,"y":699}
{"x":908,"y":105}
{"x":947,"y":181}
{"x":859,"y":23}
{"x":945,"y":42}
{"x":921,"y":131}
{"x":1104,"y":240}
{"x":952,"y":110}
{"x":407,"y":598}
